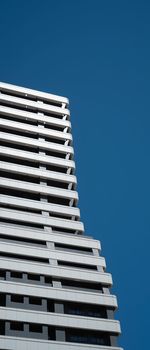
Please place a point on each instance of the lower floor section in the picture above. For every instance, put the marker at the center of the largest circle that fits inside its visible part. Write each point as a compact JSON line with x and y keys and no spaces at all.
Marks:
{"x":15,"y":343}
{"x":38,"y":332}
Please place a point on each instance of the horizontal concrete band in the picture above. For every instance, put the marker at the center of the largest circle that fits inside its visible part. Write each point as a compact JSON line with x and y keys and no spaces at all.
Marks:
{"x":36,"y":188}
{"x":40,"y":106}
{"x":70,"y":239}
{"x":16,"y":343}
{"x":55,"y":271}
{"x":51,"y":254}
{"x":58,"y":293}
{"x":36,"y":158}
{"x":23,"y":91}
{"x":36,"y":143}
{"x":60,"y":320}
{"x":27,"y":217}
{"x":38,"y":205}
{"x":36,"y":172}
{"x":60,"y":135}
{"x":23,"y":115}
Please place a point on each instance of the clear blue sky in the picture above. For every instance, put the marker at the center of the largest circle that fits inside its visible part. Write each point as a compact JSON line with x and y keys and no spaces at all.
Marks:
{"x":98,"y":54}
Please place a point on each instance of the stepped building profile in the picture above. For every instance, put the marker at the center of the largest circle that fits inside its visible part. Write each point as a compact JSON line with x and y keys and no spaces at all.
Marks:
{"x":54,"y":288}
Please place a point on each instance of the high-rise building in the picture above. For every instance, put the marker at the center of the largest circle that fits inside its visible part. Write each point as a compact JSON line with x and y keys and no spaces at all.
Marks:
{"x":54,"y":291}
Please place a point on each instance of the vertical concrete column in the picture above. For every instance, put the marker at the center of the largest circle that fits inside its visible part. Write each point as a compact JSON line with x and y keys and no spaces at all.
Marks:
{"x":42,"y":279}
{"x":65,"y":131}
{"x":71,"y":202}
{"x":8,"y":275}
{"x":69,"y":171}
{"x":26,"y":302}
{"x":51,"y":246}
{"x":56,"y":284}
{"x":70,"y":186}
{"x":66,"y":144}
{"x":67,"y":156}
{"x":110,"y":314}
{"x":100,"y":268}
{"x":8,"y":300}
{"x":45,"y":332}
{"x":59,"y":308}
{"x":44,"y":305}
{"x":60,"y":335}
{"x":7,"y":328}
{"x":64,"y":106}
{"x":96,"y":253}
{"x":24,"y":277}
{"x":26,"y":330}
{"x":113,"y":340}
{"x":106,"y":290}
{"x":43,"y":198}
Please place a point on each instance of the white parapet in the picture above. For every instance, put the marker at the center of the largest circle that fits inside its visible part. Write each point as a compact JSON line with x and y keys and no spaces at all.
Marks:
{"x":36,"y":188}
{"x":72,"y":240}
{"x":28,"y":141}
{"x":60,"y":135}
{"x":25,"y":103}
{"x":60,"y":320}
{"x":26,"y":92}
{"x":24,"y":115}
{"x":36,"y":172}
{"x":65,"y":294}
{"x":52,"y":254}
{"x":71,"y":273}
{"x":15,"y":343}
{"x":36,"y":158}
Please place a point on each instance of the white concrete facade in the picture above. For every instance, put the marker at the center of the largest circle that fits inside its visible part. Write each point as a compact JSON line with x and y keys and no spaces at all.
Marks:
{"x":54,"y":288}
{"x":32,"y":344}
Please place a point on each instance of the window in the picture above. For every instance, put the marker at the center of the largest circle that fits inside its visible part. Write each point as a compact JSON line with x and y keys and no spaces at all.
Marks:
{"x":36,"y":328}
{"x":90,"y":337}
{"x":78,"y":265}
{"x":48,"y":280}
{"x":2,"y":299}
{"x":24,"y":257}
{"x":15,"y":274}
{"x":22,"y":239}
{"x":2,"y":329}
{"x":74,"y":248}
{"x":35,"y":301}
{"x":2,"y":274}
{"x":33,"y":277}
{"x":17,"y":298}
{"x":73,"y":284}
{"x":86,"y":310}
{"x":16,"y":326}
